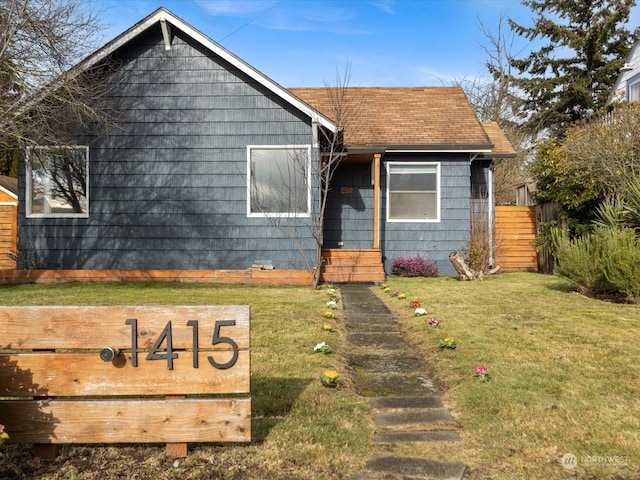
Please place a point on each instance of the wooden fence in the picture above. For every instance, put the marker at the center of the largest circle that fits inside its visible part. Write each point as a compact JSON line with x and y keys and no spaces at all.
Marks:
{"x":515,"y":230}
{"x":125,"y":374}
{"x":8,"y":233}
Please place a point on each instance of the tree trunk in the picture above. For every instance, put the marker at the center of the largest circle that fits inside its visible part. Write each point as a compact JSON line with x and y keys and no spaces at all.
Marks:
{"x":464,"y":272}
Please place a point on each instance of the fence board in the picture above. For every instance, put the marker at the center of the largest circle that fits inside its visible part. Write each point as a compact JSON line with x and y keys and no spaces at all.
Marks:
{"x":73,"y":374}
{"x":128,"y":421}
{"x":96,"y":327}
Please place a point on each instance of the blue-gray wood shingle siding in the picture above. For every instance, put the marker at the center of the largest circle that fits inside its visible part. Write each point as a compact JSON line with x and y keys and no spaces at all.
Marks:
{"x":431,"y":240}
{"x":167,"y":185}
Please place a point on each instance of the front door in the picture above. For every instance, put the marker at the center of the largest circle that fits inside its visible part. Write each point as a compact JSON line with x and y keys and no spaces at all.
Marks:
{"x":349,"y":213}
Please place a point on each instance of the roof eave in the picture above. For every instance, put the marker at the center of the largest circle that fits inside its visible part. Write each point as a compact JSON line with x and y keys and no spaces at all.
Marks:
{"x":8,"y":192}
{"x":437,"y":148}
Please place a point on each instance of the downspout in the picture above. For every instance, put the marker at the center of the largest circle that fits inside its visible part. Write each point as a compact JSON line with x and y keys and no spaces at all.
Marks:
{"x":491,"y":214}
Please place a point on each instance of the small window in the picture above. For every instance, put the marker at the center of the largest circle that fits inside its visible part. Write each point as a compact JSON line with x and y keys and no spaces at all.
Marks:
{"x":57,"y":179}
{"x":413,"y":192}
{"x":278,"y":181}
{"x":633,"y":89}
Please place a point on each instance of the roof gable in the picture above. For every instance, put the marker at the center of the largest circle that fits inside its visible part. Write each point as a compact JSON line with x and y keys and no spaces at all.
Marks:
{"x":429,"y":118}
{"x":168,"y":20}
{"x":631,"y":69}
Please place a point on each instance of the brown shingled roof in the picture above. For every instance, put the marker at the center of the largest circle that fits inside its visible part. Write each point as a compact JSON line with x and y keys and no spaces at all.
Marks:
{"x":409,"y":117}
{"x":501,"y":145}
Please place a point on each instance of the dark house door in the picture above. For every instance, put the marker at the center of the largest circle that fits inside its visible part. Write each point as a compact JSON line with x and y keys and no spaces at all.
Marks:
{"x":349,"y":213}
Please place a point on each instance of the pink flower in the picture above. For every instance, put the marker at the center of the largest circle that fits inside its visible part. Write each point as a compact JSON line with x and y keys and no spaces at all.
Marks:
{"x":433,"y":322}
{"x":1,"y":428}
{"x":480,"y":370}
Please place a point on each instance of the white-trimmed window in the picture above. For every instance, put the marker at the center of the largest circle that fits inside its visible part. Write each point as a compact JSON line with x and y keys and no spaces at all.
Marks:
{"x":633,"y":89}
{"x":57,"y":181}
{"x":278,"y":180}
{"x":413,"y":192}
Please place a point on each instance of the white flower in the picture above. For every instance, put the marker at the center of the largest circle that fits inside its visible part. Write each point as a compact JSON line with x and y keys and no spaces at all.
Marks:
{"x":420,"y":311}
{"x":332,"y":304}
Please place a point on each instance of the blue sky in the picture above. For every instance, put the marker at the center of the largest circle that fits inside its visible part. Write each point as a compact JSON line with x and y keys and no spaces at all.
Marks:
{"x":300,"y":43}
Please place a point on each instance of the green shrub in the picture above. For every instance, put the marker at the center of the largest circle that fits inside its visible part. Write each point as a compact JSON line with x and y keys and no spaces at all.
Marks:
{"x":621,"y":261}
{"x":607,"y":260}
{"x":581,"y":260}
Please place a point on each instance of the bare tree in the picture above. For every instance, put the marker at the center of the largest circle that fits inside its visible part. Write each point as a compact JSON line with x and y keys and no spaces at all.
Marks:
{"x":42,"y":99}
{"x":337,"y":105}
{"x":498,"y":100}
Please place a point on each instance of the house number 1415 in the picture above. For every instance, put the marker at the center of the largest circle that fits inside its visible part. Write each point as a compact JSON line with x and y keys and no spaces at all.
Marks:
{"x":167,"y":353}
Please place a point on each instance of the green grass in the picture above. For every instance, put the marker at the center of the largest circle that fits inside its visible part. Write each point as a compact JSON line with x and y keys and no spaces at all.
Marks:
{"x":564,"y":369}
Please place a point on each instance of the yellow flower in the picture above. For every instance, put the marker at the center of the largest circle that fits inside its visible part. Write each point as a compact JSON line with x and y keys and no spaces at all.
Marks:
{"x":330,"y":374}
{"x":449,"y":340}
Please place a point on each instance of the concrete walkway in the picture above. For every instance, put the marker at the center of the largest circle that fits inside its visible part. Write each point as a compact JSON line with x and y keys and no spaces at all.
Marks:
{"x":406,"y":403}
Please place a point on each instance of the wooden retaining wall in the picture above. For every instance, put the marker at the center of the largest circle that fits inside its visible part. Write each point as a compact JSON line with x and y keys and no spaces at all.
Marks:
{"x":515,"y":229}
{"x":246,"y":276}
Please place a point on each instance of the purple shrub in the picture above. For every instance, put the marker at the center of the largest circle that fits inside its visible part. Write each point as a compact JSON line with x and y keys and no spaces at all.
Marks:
{"x":413,"y":267}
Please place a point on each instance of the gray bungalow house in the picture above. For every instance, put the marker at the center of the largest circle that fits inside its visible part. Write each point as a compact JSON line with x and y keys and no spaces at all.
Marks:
{"x":210,"y":167}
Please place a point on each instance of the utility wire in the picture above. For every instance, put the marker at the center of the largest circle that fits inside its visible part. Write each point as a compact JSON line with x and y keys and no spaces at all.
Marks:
{"x":251,"y":21}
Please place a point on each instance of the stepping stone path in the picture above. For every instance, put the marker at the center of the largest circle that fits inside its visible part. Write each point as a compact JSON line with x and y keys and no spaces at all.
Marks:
{"x":406,"y":403}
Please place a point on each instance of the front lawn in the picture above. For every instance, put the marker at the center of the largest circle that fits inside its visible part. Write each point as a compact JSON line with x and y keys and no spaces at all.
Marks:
{"x":564,"y":375}
{"x":564,"y":380}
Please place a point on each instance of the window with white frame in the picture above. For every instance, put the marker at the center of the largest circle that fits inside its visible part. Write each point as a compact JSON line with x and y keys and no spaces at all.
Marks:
{"x":278,"y":180}
{"x":413,"y":192}
{"x":57,"y":181}
{"x":633,"y":89}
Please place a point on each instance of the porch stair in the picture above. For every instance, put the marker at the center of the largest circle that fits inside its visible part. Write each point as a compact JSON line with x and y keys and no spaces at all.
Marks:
{"x":352,"y":266}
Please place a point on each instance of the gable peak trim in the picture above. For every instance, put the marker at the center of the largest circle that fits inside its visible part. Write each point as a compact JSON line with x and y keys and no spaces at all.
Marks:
{"x":164,"y":16}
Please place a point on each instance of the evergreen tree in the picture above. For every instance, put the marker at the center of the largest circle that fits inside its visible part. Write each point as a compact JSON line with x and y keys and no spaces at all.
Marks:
{"x":585,"y":43}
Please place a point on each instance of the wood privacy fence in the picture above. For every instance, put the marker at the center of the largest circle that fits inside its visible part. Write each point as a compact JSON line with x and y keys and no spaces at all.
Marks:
{"x":125,"y":374}
{"x":515,"y":230}
{"x":8,"y":233}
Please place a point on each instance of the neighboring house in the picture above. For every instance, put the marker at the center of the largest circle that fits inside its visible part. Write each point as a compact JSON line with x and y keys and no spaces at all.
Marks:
{"x":627,"y":86}
{"x":208,"y":154}
{"x":8,"y":221}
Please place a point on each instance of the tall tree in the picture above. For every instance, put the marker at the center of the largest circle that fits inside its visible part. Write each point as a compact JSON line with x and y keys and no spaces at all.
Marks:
{"x":40,"y":96}
{"x":584,"y":44}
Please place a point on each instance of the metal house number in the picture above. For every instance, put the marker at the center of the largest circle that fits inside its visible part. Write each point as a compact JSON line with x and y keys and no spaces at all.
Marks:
{"x":157,"y":352}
